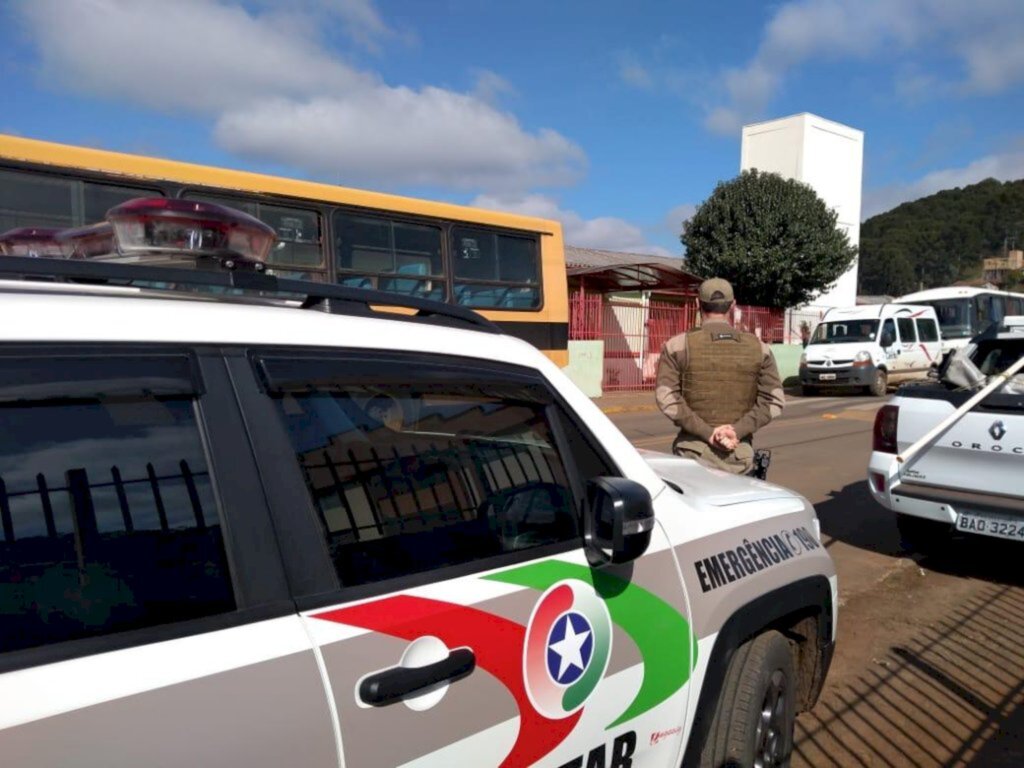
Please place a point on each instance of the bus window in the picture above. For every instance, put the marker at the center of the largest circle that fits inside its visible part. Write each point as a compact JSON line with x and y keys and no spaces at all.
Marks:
{"x":954,"y":317}
{"x":998,"y":309}
{"x":35,"y":200}
{"x":495,"y":270}
{"x":298,"y":233}
{"x":97,"y":199}
{"x":393,"y":256}
{"x":1013,"y":305}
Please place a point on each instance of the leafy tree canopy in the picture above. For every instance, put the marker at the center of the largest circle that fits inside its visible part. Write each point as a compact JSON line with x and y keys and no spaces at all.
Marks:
{"x":774,"y":239}
{"x":941,"y":238}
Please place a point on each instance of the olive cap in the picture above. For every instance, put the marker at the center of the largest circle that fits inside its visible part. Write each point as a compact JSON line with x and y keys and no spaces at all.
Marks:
{"x":715,"y":289}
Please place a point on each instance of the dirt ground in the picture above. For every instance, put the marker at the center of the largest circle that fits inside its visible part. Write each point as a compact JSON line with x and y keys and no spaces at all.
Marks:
{"x":929,"y":669}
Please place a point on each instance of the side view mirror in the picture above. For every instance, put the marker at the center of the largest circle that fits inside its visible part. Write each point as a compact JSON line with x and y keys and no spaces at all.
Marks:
{"x":887,"y":340}
{"x":618,"y":521}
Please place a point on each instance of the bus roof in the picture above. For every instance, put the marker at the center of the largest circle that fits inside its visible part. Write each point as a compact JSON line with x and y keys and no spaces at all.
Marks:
{"x":951,"y":292}
{"x":136,"y":167}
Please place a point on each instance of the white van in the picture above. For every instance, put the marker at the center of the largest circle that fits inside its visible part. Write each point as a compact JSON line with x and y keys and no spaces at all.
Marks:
{"x":871,"y":346}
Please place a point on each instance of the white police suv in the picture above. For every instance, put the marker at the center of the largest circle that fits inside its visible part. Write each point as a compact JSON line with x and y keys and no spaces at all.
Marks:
{"x":254,"y":521}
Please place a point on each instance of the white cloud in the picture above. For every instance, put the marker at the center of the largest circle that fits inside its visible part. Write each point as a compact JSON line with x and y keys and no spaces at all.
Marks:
{"x":607,"y":233}
{"x":400,"y":136}
{"x":194,"y":55}
{"x":676,"y":216}
{"x":275,"y":93}
{"x":982,"y":37}
{"x":1007,"y":166}
{"x":633,"y":73}
{"x":491,"y":87}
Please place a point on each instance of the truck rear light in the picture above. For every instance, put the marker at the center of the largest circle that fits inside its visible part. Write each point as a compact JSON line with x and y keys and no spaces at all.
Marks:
{"x":86,"y":242}
{"x":877,"y":481}
{"x":886,"y":424}
{"x":33,"y":242}
{"x":187,"y":231}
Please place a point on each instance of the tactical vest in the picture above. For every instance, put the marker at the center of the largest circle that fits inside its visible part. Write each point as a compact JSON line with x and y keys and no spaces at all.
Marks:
{"x":720,"y":380}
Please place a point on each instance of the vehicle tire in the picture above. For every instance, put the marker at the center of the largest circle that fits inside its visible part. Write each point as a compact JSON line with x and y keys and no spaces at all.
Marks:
{"x":808,"y":391}
{"x":879,"y":385}
{"x":756,"y":712}
{"x":918,"y":534}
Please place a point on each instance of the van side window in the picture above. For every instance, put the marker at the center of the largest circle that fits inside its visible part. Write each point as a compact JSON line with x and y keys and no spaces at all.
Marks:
{"x":927,"y":330}
{"x":907,"y":333}
{"x":108,"y":520}
{"x":888,"y":329}
{"x":413,"y":476}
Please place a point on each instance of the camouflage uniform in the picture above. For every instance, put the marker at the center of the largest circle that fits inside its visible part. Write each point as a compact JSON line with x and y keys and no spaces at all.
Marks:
{"x":717,"y":375}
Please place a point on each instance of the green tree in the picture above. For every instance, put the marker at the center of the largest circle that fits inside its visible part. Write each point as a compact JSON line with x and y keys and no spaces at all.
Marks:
{"x":774,"y":239}
{"x":940,"y":239}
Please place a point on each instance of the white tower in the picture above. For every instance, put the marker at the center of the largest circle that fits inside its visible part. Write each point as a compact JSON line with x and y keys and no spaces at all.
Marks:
{"x":827,"y":156}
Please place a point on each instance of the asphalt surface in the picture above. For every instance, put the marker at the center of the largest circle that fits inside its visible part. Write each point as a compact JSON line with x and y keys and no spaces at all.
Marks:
{"x":929,"y":668}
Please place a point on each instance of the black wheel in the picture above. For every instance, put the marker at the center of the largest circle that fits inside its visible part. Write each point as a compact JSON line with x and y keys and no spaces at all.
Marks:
{"x":753,"y":725}
{"x":918,"y":534}
{"x":879,"y":385}
{"x":808,"y":391}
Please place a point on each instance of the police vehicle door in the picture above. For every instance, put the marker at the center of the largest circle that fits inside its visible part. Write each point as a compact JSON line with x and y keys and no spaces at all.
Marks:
{"x":447,"y":590}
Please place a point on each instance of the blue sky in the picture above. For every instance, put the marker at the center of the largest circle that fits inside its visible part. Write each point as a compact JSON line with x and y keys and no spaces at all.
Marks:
{"x":616,"y":118}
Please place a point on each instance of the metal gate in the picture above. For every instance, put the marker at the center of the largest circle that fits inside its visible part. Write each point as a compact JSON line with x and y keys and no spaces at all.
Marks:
{"x":634,"y":330}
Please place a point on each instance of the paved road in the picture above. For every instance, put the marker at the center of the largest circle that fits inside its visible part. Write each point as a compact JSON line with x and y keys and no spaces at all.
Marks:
{"x":929,"y":669}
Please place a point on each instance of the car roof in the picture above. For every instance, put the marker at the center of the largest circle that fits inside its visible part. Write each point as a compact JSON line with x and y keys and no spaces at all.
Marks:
{"x":60,"y":312}
{"x":877,"y":311}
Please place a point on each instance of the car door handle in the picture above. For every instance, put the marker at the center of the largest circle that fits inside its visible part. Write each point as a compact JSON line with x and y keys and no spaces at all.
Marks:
{"x":397,"y":683}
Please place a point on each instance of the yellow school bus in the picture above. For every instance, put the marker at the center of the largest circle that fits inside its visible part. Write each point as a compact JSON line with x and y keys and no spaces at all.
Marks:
{"x":509,"y":268}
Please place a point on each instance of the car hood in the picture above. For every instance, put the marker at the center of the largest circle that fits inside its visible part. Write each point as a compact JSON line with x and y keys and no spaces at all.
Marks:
{"x":712,"y":486}
{"x":836,"y":351}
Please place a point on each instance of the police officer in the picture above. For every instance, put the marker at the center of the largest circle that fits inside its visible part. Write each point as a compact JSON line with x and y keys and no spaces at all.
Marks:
{"x":718,"y":385}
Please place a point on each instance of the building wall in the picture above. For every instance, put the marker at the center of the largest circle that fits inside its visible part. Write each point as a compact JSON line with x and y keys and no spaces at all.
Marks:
{"x":824,"y":154}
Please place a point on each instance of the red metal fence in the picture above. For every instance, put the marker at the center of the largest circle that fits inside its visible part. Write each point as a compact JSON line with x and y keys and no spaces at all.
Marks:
{"x":633,"y":332}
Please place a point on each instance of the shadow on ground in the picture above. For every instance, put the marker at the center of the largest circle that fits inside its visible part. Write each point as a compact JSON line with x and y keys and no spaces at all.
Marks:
{"x":850,"y":515}
{"x":954,"y":696}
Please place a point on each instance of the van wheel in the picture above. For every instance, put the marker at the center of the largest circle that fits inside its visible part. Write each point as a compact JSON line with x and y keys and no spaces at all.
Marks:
{"x":879,"y":385}
{"x":756,"y":711}
{"x":918,"y":534}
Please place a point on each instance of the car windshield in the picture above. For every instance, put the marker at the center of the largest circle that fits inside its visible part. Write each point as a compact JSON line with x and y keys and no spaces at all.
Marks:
{"x":993,"y":356}
{"x":843,"y":331}
{"x":954,"y":318}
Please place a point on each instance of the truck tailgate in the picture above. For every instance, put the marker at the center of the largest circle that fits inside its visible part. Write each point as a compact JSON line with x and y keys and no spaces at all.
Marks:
{"x":984,"y":451}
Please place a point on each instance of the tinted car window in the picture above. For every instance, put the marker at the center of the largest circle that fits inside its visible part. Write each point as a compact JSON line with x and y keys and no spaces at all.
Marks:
{"x":927,"y":330}
{"x":408,"y":478}
{"x":907,"y":332}
{"x":108,"y":520}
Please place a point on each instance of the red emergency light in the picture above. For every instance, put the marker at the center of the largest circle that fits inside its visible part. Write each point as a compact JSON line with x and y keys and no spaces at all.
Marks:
{"x":86,"y":242}
{"x":32,"y":242}
{"x":169,"y":230}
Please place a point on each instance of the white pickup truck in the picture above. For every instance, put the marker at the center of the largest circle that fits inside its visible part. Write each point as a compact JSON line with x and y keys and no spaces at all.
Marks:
{"x":948,"y":468}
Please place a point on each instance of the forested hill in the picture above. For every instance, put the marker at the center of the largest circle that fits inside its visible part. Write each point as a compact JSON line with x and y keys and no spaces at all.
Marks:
{"x":939,"y":239}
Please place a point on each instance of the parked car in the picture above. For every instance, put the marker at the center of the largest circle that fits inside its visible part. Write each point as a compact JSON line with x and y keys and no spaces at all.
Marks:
{"x":870,"y":347}
{"x":256,"y":521}
{"x":965,"y":481}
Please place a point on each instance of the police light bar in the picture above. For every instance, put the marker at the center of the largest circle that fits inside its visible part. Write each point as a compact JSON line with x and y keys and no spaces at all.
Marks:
{"x":33,"y":242}
{"x":168,"y":230}
{"x":86,"y":242}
